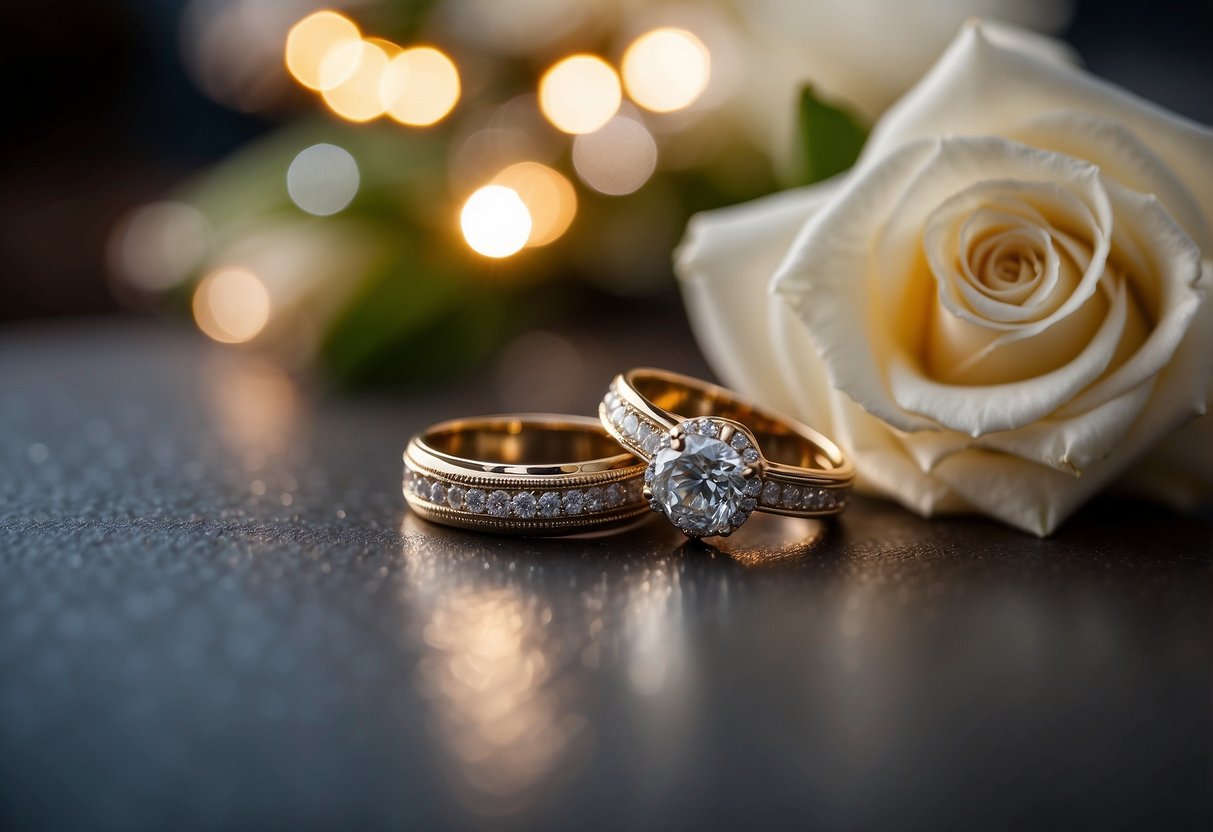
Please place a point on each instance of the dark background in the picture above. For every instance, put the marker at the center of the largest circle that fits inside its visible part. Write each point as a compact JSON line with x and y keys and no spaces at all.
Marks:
{"x":103,"y":117}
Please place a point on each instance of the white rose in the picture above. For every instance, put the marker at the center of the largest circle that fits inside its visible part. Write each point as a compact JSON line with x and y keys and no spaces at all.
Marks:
{"x":1001,"y":308}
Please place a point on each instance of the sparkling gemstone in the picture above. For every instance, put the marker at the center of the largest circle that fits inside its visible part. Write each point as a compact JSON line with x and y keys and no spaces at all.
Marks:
{"x":594,"y":499}
{"x":701,"y":486}
{"x":749,"y":455}
{"x":709,"y":428}
{"x":614,"y":495}
{"x":630,"y":424}
{"x":454,"y":497}
{"x":574,"y":501}
{"x":475,"y":500}
{"x":791,"y":496}
{"x":753,"y":488}
{"x":643,"y":433}
{"x":770,"y":494}
{"x":498,"y":504}
{"x":438,"y":493}
{"x":549,"y":504}
{"x":652,"y":442}
{"x":421,"y":487}
{"x":524,"y":504}
{"x":617,"y":415}
{"x":740,"y":441}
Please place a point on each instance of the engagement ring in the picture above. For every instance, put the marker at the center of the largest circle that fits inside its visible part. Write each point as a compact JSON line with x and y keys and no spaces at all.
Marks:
{"x":714,"y":457}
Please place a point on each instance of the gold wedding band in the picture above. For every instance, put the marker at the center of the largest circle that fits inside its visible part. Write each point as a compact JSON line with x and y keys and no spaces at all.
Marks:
{"x":714,"y":457}
{"x":535,"y":474}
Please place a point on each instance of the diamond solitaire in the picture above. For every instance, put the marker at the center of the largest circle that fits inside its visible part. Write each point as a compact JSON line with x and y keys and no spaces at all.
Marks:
{"x":701,"y":480}
{"x":707,"y":474}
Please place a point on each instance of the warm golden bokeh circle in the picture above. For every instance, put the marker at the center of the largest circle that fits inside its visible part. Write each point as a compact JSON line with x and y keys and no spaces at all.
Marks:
{"x":231,"y":305}
{"x":548,"y":195}
{"x":666,"y":69}
{"x":420,"y":86}
{"x":580,"y":93}
{"x":310,"y":43}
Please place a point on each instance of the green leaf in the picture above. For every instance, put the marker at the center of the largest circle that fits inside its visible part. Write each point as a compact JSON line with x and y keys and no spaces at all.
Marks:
{"x":831,"y":136}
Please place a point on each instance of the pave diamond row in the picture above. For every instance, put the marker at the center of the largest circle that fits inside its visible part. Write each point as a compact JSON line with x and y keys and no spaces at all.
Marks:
{"x":636,"y":429}
{"x":803,"y":498}
{"x":523,"y":504}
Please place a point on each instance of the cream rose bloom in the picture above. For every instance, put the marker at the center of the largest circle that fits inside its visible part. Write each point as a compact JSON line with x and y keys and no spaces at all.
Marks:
{"x":1001,"y":308}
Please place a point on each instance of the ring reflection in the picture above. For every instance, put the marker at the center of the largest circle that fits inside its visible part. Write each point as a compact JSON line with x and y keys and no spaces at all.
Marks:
{"x":510,"y":656}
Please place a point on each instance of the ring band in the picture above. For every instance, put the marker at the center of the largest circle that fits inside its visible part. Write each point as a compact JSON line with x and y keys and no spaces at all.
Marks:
{"x":534,"y":474}
{"x":715,"y":457}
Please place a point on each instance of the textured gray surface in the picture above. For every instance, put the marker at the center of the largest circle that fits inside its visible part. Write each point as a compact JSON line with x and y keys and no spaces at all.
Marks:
{"x":214,"y":613}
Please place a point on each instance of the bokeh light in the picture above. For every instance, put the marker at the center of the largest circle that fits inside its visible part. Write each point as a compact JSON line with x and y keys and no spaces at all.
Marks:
{"x":549,"y":197}
{"x":318,"y":52}
{"x":159,"y":244}
{"x":617,"y":159}
{"x":389,"y":48}
{"x":580,"y":93}
{"x":495,"y":221}
{"x":666,"y":69}
{"x":322,"y":179}
{"x":357,"y":97}
{"x":420,"y":86}
{"x":231,"y":305}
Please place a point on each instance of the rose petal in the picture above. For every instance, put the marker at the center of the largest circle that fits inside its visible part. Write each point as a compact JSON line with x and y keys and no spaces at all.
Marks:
{"x":883,"y":465}
{"x":823,"y":280}
{"x":943,"y":239}
{"x":1073,"y":445}
{"x":803,"y":373}
{"x":1123,"y":158}
{"x":979,"y":410}
{"x":1174,"y":265}
{"x":982,"y":87}
{"x":1037,"y":499}
{"x":969,"y":172}
{"x":724,"y":266}
{"x":929,"y":448}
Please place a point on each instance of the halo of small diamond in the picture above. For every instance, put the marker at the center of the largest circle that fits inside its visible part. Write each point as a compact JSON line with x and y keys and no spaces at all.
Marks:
{"x":667,"y":474}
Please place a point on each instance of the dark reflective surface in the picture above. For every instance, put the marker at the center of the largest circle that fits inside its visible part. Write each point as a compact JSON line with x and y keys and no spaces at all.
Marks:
{"x":216,"y":614}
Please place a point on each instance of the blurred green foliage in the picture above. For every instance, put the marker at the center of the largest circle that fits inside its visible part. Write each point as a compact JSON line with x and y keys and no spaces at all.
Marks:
{"x":831,"y":138}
